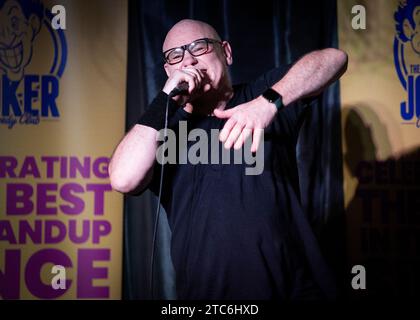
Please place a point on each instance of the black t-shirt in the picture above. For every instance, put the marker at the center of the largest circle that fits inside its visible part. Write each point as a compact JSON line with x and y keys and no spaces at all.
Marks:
{"x":238,"y":236}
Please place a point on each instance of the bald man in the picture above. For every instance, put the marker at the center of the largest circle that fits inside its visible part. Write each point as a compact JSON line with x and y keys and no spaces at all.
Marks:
{"x":234,"y":236}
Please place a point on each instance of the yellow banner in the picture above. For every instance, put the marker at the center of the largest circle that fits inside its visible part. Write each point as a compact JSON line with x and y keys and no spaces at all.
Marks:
{"x":62,"y":73}
{"x":381,"y":140}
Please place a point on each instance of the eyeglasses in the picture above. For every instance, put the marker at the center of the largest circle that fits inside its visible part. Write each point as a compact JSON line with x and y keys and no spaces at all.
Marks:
{"x":196,"y":48}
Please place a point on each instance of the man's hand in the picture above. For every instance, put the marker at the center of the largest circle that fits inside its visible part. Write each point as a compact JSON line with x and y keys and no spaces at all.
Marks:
{"x":306,"y":78}
{"x":196,"y":79}
{"x":246,"y":119}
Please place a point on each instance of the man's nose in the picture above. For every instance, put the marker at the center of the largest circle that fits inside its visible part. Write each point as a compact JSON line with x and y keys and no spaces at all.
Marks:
{"x":189,"y":60}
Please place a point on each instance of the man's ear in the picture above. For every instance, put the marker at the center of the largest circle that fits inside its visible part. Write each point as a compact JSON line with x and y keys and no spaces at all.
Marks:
{"x":407,"y":29}
{"x":35,"y":24}
{"x":227,"y":50}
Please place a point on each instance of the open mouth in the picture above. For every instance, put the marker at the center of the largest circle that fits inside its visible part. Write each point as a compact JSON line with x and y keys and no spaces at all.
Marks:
{"x":12,"y":57}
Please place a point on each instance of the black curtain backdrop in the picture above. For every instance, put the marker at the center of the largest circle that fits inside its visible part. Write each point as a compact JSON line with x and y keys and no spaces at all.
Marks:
{"x":263,"y":35}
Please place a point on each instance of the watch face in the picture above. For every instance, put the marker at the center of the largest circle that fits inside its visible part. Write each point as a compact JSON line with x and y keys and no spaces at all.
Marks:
{"x":271,"y":95}
{"x":274,"y":97}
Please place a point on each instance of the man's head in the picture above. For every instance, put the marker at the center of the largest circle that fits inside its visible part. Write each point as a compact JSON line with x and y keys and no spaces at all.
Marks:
{"x":214,"y":63}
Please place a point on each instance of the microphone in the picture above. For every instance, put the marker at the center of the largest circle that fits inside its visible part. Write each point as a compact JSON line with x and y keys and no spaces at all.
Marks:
{"x":181,"y":88}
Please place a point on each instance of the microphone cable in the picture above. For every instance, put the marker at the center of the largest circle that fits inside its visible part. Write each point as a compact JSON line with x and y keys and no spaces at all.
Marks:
{"x":155,"y":228}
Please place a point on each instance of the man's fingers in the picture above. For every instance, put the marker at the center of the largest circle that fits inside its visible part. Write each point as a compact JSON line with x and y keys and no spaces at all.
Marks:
{"x":192,"y":79}
{"x":246,"y":132}
{"x":224,"y":114}
{"x":226,"y":130}
{"x":233,"y":136}
{"x":196,"y":74}
{"x":201,"y":73}
{"x":256,"y":137}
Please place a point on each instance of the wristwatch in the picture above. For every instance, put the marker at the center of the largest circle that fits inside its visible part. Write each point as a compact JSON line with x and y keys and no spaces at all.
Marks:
{"x":273,"y":96}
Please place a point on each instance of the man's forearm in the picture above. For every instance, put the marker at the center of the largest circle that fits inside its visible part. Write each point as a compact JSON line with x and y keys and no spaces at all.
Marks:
{"x":131,"y":166}
{"x":132,"y":163}
{"x":311,"y":74}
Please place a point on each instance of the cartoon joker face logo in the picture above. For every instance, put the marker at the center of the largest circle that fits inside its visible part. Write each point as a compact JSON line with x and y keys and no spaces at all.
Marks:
{"x":20,"y":22}
{"x":407,"y":20}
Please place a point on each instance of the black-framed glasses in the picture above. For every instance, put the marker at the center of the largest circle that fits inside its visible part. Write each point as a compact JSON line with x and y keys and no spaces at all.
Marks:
{"x":196,"y":48}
